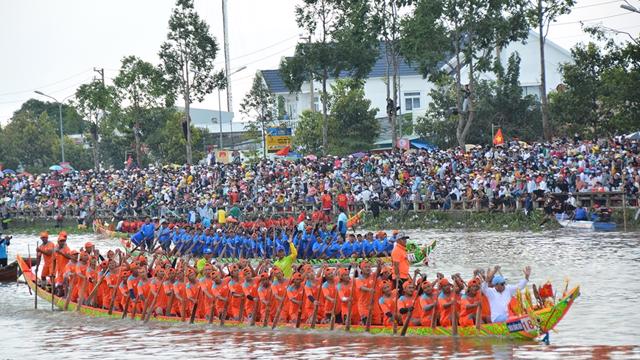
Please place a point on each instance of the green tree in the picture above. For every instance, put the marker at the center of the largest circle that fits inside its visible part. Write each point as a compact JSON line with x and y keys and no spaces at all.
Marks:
{"x":541,"y":15}
{"x":468,"y":30}
{"x":356,"y":125}
{"x":164,"y":144}
{"x":342,"y":44}
{"x":500,"y":103}
{"x":72,"y":122}
{"x":94,"y":101}
{"x":352,"y":123}
{"x":258,"y":105}
{"x":28,"y":140}
{"x":188,"y":60}
{"x":143,"y":86}
{"x":600,"y":92}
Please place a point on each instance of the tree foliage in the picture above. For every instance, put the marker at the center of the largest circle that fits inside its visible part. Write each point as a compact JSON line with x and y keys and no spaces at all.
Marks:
{"x":600,"y":95}
{"x":499,"y":103}
{"x":259,"y":106}
{"x":352,"y":123}
{"x":143,"y":86}
{"x":467,"y":30}
{"x":188,"y":57}
{"x":72,"y":122}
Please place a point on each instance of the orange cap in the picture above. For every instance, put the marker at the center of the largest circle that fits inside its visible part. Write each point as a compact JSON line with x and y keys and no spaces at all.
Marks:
{"x":425,"y":284}
{"x":296,"y":276}
{"x":444,"y":282}
{"x":407,"y":284}
{"x":88,"y":244}
{"x":44,"y":234}
{"x":472,"y":282}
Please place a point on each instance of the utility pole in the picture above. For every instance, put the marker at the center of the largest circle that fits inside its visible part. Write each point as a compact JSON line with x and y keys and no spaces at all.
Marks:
{"x":227,"y":62}
{"x":101,"y":72}
{"x":312,"y":103}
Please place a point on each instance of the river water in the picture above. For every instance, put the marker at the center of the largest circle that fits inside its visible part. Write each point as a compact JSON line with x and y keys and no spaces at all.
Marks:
{"x":601,"y":324}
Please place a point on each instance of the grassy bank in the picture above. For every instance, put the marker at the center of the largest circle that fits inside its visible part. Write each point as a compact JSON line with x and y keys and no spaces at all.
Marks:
{"x":36,"y":226}
{"x":482,"y":221}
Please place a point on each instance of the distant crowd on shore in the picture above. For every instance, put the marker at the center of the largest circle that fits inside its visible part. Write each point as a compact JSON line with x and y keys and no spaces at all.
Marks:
{"x":492,"y":175}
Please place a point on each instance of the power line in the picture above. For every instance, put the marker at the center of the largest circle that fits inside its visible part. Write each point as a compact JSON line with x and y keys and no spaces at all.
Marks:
{"x":594,"y":19}
{"x":598,"y":4}
{"x":50,"y":92}
{"x":44,"y":86}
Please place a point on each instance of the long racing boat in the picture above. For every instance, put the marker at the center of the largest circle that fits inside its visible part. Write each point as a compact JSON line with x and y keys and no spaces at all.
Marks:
{"x":529,"y":327}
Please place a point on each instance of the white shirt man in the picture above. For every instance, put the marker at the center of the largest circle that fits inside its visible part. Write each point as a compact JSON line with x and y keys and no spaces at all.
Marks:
{"x":500,"y":295}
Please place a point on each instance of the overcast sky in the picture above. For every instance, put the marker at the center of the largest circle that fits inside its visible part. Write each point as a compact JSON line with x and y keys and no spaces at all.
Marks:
{"x":53,"y":46}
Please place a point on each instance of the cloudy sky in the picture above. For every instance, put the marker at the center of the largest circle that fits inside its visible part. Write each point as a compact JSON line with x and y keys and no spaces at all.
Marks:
{"x":53,"y":46}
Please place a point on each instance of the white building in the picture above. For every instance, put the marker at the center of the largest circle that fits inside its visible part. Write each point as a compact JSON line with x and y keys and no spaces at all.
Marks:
{"x":414,"y":89}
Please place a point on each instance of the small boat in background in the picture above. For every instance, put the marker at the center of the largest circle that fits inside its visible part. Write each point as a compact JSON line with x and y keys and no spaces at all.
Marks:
{"x":9,"y":273}
{"x":565,"y":221}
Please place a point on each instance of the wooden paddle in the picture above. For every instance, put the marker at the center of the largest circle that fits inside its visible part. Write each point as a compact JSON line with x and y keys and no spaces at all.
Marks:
{"x":454,"y":317}
{"x":69,"y":291}
{"x":300,"y":307}
{"x":241,"y":314}
{"x":83,"y":288}
{"x":225,"y":309}
{"x":195,"y":307}
{"x":332,"y":321}
{"x":126,"y":306}
{"x":31,"y":269}
{"x":276,"y":319}
{"x":373,"y":295}
{"x":395,"y":306}
{"x":53,"y":283}
{"x":479,"y":314}
{"x":93,"y":292}
{"x":36,"y":278}
{"x":350,"y":302}
{"x":135,"y":307}
{"x":314,"y":316}
{"x":114,"y":293}
{"x":169,"y":310}
{"x":256,"y":306}
{"x":146,"y":314}
{"x":267,"y":311}
{"x":406,"y":324}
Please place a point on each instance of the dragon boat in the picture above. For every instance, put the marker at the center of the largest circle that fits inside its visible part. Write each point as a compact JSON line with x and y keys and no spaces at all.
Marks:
{"x":527,"y":327}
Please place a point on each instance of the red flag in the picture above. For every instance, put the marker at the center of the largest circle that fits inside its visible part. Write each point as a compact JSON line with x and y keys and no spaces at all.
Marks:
{"x":284,"y":151}
{"x":498,"y":139}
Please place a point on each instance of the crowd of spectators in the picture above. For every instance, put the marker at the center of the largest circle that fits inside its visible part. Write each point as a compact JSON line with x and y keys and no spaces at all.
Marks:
{"x":492,"y":176}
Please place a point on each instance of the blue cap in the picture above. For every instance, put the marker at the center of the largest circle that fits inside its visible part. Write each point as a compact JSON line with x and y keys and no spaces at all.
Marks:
{"x":498,"y":279}
{"x":279,"y":248}
{"x":207,"y":251}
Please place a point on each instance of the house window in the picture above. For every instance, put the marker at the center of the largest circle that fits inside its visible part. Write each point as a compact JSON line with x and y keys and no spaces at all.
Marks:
{"x":531,"y":90}
{"x":412,"y":101}
{"x":316,"y":103}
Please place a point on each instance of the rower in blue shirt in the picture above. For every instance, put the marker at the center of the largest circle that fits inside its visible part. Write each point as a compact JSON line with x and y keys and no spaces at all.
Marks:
{"x":147,"y":229}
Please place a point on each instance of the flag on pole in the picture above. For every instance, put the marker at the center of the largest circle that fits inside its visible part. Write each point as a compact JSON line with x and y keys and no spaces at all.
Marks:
{"x":284,"y":151}
{"x":498,"y":139}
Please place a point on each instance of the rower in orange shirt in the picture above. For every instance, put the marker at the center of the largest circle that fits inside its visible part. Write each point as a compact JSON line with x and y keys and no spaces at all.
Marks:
{"x":81,"y":280}
{"x":179,"y":291}
{"x":62,"y":257}
{"x":156,"y":293}
{"x":167,"y":290}
{"x":365,"y":290}
{"x":428,"y":304}
{"x":345,"y":289}
{"x":250,"y":291}
{"x":313,"y":288}
{"x":206,"y":296}
{"x":446,"y":302}
{"x":45,"y":251}
{"x":192,"y":290}
{"x":387,"y":303}
{"x":469,"y":304}
{"x":406,"y":303}
{"x":279,"y":293}
{"x":235,"y":287}
{"x":295,"y":297}
{"x":220,"y":291}
{"x":110,"y":282}
{"x":330,"y":294}
{"x":265,"y":296}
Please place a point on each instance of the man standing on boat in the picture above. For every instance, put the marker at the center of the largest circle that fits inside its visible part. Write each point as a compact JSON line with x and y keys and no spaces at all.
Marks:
{"x":3,"y":250}
{"x":500,"y":294}
{"x":45,"y":251}
{"x":400,"y":260}
{"x":285,"y":263}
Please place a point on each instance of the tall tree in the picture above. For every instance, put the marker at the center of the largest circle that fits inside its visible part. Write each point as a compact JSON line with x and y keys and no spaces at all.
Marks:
{"x":94,"y":101}
{"x":188,"y":60}
{"x":541,"y":14}
{"x":142,"y":85}
{"x":342,"y":43}
{"x":71,"y":120}
{"x":258,"y":104}
{"x":462,"y":35}
{"x":28,"y":140}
